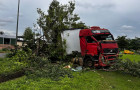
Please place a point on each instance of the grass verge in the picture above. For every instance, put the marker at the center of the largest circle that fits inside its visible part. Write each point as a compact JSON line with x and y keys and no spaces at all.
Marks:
{"x":10,"y":69}
{"x":120,"y":81}
{"x":132,"y":57}
{"x":8,"y":66}
{"x":89,"y":80}
{"x":81,"y":81}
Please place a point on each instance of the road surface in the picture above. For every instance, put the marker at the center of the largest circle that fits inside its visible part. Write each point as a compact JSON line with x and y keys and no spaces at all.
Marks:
{"x":2,"y":55}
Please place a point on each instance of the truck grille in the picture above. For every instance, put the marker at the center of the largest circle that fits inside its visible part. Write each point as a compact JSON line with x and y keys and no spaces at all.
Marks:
{"x":108,"y":50}
{"x":111,"y":61}
{"x":111,"y":57}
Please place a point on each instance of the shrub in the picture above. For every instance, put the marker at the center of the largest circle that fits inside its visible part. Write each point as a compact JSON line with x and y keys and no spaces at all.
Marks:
{"x":21,"y":56}
{"x":127,"y":66}
{"x":5,"y":49}
{"x":43,"y":68}
{"x":8,"y":66}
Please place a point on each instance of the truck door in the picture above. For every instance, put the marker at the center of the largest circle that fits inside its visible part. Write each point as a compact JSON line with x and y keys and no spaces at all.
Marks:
{"x":83,"y":45}
{"x":91,"y":46}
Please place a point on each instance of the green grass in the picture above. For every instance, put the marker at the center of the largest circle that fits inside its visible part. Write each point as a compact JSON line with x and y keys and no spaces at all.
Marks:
{"x":7,"y":51}
{"x":8,"y":66}
{"x":120,"y":81}
{"x":81,"y":81}
{"x":132,"y":57}
{"x":89,"y":80}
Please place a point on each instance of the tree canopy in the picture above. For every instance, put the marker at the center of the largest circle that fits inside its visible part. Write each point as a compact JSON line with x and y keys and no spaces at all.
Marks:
{"x":28,"y":37}
{"x":50,"y":25}
{"x":126,"y":43}
{"x":58,"y":18}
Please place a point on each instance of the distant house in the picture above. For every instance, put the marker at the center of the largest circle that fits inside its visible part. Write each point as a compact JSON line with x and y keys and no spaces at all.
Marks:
{"x":20,"y":41}
{"x":7,"y":41}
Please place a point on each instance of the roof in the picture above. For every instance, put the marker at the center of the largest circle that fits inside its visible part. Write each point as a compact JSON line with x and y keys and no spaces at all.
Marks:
{"x":20,"y":36}
{"x":88,"y":32}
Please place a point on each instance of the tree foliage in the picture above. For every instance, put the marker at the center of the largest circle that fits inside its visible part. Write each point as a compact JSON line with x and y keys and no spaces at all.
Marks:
{"x":134,"y":44}
{"x":127,"y":66}
{"x":28,"y":37}
{"x":122,"y":42}
{"x":59,"y":17}
{"x":126,"y":43}
{"x":49,"y":27}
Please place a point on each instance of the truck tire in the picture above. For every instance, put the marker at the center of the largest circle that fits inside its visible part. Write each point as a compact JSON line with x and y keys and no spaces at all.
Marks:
{"x":88,"y":63}
{"x":77,"y":60}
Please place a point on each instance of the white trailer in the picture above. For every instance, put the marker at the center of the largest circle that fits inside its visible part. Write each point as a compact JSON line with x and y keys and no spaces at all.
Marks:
{"x":72,"y":40}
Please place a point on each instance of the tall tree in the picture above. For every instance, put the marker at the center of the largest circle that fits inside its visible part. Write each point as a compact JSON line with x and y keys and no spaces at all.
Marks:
{"x":135,"y":43}
{"x":58,"y":18}
{"x":122,"y":42}
{"x":28,"y":37}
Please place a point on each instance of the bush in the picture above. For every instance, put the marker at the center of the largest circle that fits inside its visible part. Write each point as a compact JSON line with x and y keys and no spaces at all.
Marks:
{"x":127,"y":66}
{"x":8,"y":66}
{"x":41,"y":67}
{"x":21,"y":56}
{"x":12,"y":53}
{"x":5,"y":49}
{"x":15,"y":61}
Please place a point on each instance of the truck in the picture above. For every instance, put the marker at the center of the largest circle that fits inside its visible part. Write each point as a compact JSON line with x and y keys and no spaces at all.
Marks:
{"x":96,"y":45}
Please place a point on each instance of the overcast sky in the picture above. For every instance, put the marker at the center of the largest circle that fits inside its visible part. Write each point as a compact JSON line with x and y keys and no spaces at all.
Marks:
{"x":121,"y":17}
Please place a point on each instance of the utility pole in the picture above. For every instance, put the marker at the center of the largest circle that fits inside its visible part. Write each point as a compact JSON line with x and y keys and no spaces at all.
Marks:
{"x":17,"y":22}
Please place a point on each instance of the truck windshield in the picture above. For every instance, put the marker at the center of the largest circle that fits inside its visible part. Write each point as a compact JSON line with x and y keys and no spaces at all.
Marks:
{"x":103,"y":37}
{"x":100,"y":31}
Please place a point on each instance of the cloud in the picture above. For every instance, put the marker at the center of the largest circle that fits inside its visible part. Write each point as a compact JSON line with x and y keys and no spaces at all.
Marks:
{"x":119,"y":16}
{"x":98,"y":5}
{"x":0,"y":2}
{"x":127,"y":27}
{"x":127,"y":6}
{"x":7,"y":19}
{"x":92,"y":6}
{"x":1,"y":5}
{"x":127,"y":30}
{"x":131,"y":31}
{"x":2,"y":23}
{"x":8,"y":32}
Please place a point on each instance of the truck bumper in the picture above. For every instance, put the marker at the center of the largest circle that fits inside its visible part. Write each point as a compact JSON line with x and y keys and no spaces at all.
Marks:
{"x":107,"y":59}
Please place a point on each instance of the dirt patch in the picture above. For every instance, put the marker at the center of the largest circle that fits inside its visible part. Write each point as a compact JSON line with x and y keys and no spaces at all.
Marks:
{"x":5,"y":78}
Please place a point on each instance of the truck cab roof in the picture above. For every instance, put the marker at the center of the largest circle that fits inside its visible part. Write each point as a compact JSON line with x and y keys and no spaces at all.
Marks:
{"x":95,"y":30}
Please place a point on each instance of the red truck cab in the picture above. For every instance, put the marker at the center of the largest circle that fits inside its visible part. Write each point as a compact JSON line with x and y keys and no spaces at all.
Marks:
{"x":98,"y":47}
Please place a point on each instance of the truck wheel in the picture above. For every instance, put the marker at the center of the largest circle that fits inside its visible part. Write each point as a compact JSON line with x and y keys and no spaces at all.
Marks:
{"x":89,"y":63}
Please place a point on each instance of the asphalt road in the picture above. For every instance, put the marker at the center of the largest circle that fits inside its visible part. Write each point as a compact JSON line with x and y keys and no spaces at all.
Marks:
{"x":2,"y":55}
